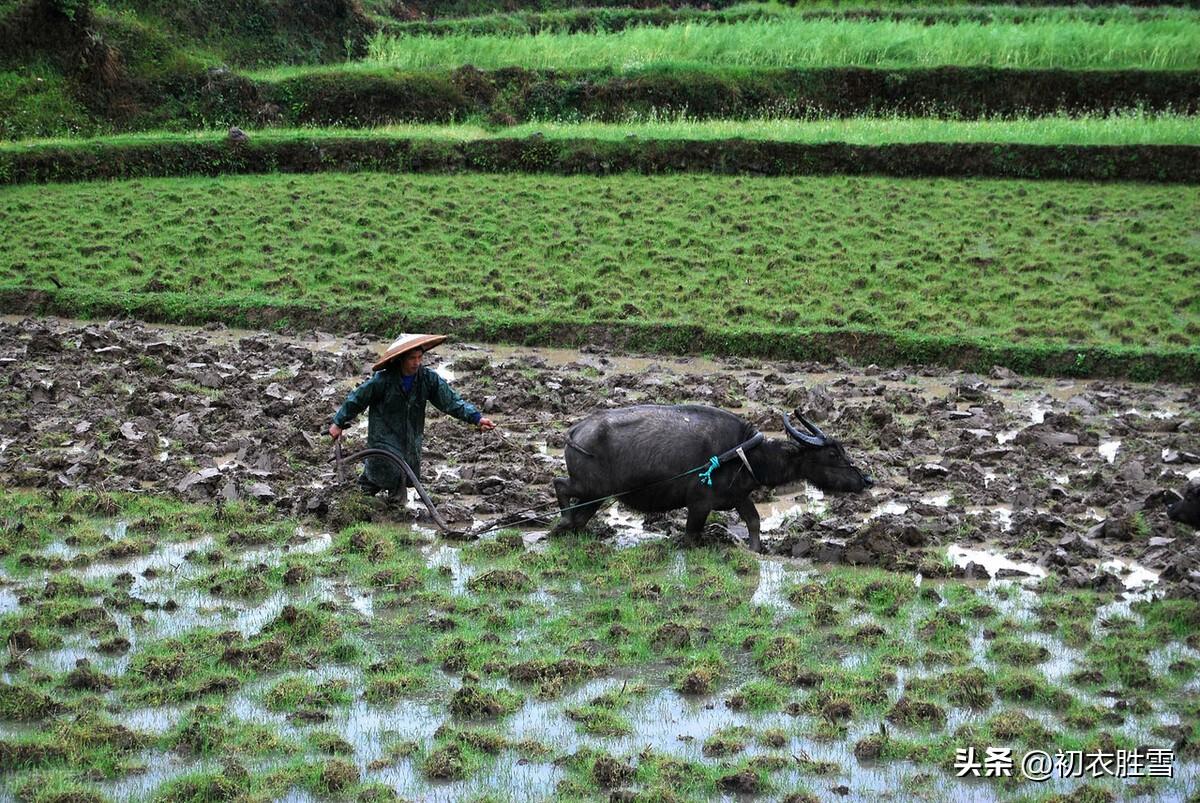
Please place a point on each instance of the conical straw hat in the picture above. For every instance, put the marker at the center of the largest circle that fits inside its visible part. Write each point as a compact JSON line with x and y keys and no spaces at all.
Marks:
{"x":407,"y":343}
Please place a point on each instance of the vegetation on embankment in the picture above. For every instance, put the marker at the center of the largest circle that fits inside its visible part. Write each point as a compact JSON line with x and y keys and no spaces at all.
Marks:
{"x":45,"y":104}
{"x":1113,"y":44}
{"x":1050,"y":276}
{"x":1174,"y":164}
{"x":162,"y":35}
{"x":1133,"y":128}
{"x":601,"y":20}
{"x":444,"y":9}
{"x":143,"y":65}
{"x":513,"y":95}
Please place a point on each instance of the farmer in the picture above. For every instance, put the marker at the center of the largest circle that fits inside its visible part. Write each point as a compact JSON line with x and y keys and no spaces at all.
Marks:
{"x":396,"y":394}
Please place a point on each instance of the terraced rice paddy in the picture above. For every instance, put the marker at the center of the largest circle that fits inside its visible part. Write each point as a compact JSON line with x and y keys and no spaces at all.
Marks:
{"x":190,"y":653}
{"x":1035,"y":261}
{"x":1113,"y":45}
{"x":195,"y":607}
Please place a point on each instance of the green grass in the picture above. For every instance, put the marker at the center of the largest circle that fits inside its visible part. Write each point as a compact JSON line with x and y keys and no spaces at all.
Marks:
{"x":576,"y":20}
{"x":1130,"y":128}
{"x":65,"y":753}
{"x":1017,"y":262}
{"x":38,"y":101}
{"x":1078,"y":45}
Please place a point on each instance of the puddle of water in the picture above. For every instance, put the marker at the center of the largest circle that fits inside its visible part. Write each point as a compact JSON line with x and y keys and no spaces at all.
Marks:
{"x":1007,"y":435}
{"x":363,"y":603}
{"x":154,"y":721}
{"x":1063,"y":659}
{"x":991,"y":561}
{"x":8,"y":601}
{"x":1135,"y":576}
{"x":769,"y":593}
{"x":1161,"y":659}
{"x":161,"y":767}
{"x":1159,"y":414}
{"x":628,"y":524}
{"x":807,"y":500}
{"x":676,"y":725}
{"x":937,"y":500}
{"x":449,"y":556}
{"x":60,"y":549}
{"x":1108,"y":450}
{"x":889,"y":508}
{"x":165,"y":559}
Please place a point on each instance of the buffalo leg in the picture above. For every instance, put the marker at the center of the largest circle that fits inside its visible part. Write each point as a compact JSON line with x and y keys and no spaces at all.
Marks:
{"x":697,"y":516}
{"x":577,"y":518}
{"x":749,"y":514}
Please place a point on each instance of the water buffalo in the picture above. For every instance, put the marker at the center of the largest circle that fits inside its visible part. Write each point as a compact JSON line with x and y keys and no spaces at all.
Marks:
{"x":647,"y":453}
{"x":1187,"y":509}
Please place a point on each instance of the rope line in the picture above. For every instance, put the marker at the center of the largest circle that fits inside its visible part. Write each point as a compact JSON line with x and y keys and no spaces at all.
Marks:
{"x":713,"y":463}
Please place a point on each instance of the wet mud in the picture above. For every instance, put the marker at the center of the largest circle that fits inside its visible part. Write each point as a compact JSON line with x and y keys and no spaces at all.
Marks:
{"x":1019,"y":476}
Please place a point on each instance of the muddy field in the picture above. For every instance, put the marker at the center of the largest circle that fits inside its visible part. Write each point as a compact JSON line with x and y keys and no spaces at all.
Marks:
{"x":1060,"y":476}
{"x":195,"y":608}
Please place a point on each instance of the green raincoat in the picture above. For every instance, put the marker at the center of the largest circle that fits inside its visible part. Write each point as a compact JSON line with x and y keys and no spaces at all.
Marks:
{"x":397,"y":419}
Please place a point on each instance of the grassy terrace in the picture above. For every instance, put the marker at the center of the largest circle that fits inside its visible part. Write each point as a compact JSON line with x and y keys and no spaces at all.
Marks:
{"x":1122,"y":129}
{"x":580,"y":20}
{"x":446,"y":686}
{"x":1167,"y":44}
{"x":970,"y":261}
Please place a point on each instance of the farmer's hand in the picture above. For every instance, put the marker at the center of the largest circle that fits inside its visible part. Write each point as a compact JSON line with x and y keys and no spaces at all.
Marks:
{"x":335,"y":431}
{"x":485,"y":424}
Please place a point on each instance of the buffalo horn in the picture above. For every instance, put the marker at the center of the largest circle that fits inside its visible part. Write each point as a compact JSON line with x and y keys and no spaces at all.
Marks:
{"x":813,"y":428}
{"x":802,"y":437}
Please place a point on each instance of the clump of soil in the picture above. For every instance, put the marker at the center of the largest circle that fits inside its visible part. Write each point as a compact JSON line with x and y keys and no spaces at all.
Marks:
{"x":726,"y":741}
{"x":331,"y":743}
{"x":506,"y":543}
{"x":338,"y":775}
{"x":671,"y":636}
{"x":870,"y":748}
{"x":743,"y":783}
{"x":837,"y":711}
{"x":565,"y":669}
{"x":697,"y":681}
{"x":908,"y":711}
{"x":116,"y":645}
{"x":264,"y":655}
{"x":608,"y":773}
{"x":1017,"y":725}
{"x":599,"y":721}
{"x":471,"y":701}
{"x":484,"y":741}
{"x":84,"y":678}
{"x":445,"y":763}
{"x":24,"y":704}
{"x":500,"y":580}
{"x":297,"y":574}
{"x":967,"y":686}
